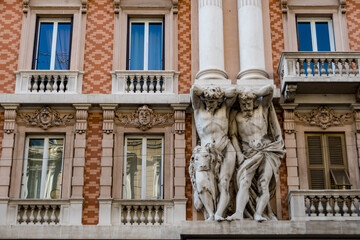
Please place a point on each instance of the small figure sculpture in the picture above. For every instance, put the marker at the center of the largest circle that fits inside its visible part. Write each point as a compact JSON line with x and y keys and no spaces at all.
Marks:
{"x":256,"y":136}
{"x":211,"y":112}
{"x":204,"y":171}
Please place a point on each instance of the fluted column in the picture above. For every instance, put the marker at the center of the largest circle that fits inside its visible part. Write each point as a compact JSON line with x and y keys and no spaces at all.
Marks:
{"x":251,"y":40}
{"x":211,"y":40}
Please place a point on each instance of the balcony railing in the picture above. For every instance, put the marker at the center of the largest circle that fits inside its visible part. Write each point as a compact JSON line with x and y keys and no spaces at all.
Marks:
{"x":324,"y":204}
{"x":145,"y":82}
{"x":48,"y":81}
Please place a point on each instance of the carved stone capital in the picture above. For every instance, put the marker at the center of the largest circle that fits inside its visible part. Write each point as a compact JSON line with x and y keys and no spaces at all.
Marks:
{"x":175,"y":6}
{"x":289,"y":123}
{"x":84,"y":4}
{"x":323,"y":117}
{"x":108,"y":117}
{"x":343,"y":6}
{"x":145,"y":118}
{"x":45,"y":117}
{"x":9,"y":117}
{"x":284,"y":6}
{"x":81,"y":117}
{"x":290,"y":93}
{"x":116,"y":6}
{"x":26,"y":4}
{"x":180,"y":112}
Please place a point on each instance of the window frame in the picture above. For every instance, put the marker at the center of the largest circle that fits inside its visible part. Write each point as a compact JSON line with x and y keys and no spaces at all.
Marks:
{"x":313,"y":21}
{"x":44,"y":164}
{"x":143,"y":164}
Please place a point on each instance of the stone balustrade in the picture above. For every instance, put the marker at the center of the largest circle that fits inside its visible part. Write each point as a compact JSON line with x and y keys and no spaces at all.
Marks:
{"x":49,"y":81}
{"x":324,"y":205}
{"x":145,"y":82}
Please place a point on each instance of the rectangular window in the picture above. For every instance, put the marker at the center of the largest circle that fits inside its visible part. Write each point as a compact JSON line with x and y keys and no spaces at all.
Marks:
{"x":53,"y":44}
{"x":327,"y":166}
{"x":43,"y":167}
{"x":315,"y":34}
{"x":145,"y":44}
{"x":143,"y":178}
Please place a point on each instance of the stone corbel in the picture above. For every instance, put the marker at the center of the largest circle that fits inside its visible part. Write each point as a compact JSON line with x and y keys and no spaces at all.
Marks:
{"x":289,"y":119}
{"x":356,"y":109}
{"x":284,"y":6}
{"x":343,"y":6}
{"x":10,"y":117}
{"x":116,"y":6}
{"x":81,"y":117}
{"x":84,"y":6}
{"x":290,"y":93}
{"x":180,"y":111}
{"x":26,"y":4}
{"x":108,"y":117}
{"x":175,"y":6}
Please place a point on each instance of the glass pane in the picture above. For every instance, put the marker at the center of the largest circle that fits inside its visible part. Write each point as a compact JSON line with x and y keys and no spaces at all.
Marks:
{"x":44,"y":47}
{"x":34,"y":166}
{"x":153,"y":168}
{"x":322,"y":36}
{"x":155,"y":46}
{"x":304,"y":32}
{"x":137,"y":46}
{"x":53,"y":173}
{"x":62,"y":57}
{"x":133,"y":169}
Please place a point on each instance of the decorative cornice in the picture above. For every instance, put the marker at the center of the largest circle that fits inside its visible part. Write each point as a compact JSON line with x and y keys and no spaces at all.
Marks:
{"x":145,"y":118}
{"x":323,"y":117}
{"x":116,"y":6}
{"x":81,"y":117}
{"x":108,"y":117}
{"x":84,"y":4}
{"x":9,"y":117}
{"x":26,"y":4}
{"x":290,"y":93}
{"x":45,"y":118}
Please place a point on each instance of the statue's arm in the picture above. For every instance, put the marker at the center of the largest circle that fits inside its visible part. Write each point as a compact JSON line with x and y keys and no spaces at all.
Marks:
{"x":195,"y":93}
{"x":266,"y":93}
{"x":233,"y":132}
{"x":230,"y":95}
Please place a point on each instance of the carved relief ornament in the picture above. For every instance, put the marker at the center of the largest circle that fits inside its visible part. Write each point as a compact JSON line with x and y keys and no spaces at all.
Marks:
{"x":323,"y":117}
{"x":26,"y":4}
{"x":145,"y":118}
{"x":45,"y":118}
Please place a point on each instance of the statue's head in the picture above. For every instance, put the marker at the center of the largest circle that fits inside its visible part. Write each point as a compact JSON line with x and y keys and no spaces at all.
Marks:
{"x":213,"y":97}
{"x":201,"y":159}
{"x":247,"y":101}
{"x":144,"y":114}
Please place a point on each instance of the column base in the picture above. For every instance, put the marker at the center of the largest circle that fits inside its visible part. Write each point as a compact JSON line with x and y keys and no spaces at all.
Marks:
{"x":253,"y":74}
{"x":211,"y":73}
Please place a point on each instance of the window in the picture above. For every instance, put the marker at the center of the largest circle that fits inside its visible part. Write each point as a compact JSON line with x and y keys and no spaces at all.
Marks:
{"x":53,"y":44}
{"x":143,"y":167}
{"x":315,"y":34}
{"x":43,"y":167}
{"x":145,"y":44}
{"x":327,"y":166}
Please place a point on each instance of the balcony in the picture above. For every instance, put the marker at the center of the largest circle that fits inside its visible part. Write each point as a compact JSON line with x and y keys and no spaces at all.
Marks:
{"x":312,"y":73}
{"x":48,"y":81}
{"x":335,"y":205}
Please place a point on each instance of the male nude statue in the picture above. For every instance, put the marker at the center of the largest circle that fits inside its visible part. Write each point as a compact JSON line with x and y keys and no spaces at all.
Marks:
{"x":211,"y":111}
{"x":256,"y":136}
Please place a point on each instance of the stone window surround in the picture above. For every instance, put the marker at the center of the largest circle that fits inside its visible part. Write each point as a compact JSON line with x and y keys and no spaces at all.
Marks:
{"x":118,"y":166}
{"x":60,"y":9}
{"x":19,"y":149}
{"x":330,"y":8}
{"x":136,"y":9}
{"x":351,"y":151}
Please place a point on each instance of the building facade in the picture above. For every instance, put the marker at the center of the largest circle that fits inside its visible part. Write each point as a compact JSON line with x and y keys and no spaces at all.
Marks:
{"x":98,"y":128}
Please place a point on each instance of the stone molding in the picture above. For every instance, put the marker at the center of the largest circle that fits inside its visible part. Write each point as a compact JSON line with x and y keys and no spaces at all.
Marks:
{"x":9,"y":117}
{"x":144,"y":118}
{"x":81,"y":117}
{"x":26,"y":4}
{"x":284,"y":6}
{"x":211,"y":74}
{"x":45,"y":118}
{"x":84,"y":4}
{"x":289,"y":123}
{"x":108,"y":117}
{"x":116,"y":6}
{"x":323,"y":117}
{"x":252,"y":73}
{"x":245,"y":3}
{"x":205,"y":3}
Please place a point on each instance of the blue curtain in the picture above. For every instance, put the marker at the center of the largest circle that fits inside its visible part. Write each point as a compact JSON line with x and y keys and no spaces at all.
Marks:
{"x":44,"y":47}
{"x":155,"y":46}
{"x":62,"y":57}
{"x":137,"y":46}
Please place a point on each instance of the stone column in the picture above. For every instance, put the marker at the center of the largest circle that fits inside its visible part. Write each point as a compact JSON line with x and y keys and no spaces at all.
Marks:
{"x":77,"y":181}
{"x":251,"y":40}
{"x":211,"y":40}
{"x":106,"y":164}
{"x":291,"y":147}
{"x":6,"y":158}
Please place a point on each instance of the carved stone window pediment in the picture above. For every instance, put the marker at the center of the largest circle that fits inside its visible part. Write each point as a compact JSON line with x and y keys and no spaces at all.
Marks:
{"x":45,"y":118}
{"x":144,"y":118}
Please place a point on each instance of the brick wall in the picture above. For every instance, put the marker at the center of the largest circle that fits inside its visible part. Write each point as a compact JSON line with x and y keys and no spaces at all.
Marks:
{"x":92,"y":169}
{"x":188,"y":153}
{"x":184,"y":45}
{"x":353,"y":21}
{"x":10,"y":30}
{"x":99,"y":47}
{"x":277,"y":36}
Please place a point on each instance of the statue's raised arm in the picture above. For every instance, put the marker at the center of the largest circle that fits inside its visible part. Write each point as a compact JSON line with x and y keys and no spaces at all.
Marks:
{"x":196,"y":92}
{"x":266,"y":93}
{"x":230,"y":95}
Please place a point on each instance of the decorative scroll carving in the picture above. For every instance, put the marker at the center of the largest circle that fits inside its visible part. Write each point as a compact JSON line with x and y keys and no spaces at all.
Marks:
{"x":180,"y":122}
{"x":45,"y":118}
{"x":26,"y":4}
{"x":357,"y":119}
{"x":175,"y":6}
{"x":323,"y":117}
{"x":284,"y":6}
{"x":84,"y":6}
{"x":9,"y":117}
{"x":290,"y":93}
{"x":116,"y":6}
{"x":343,"y":6}
{"x":108,"y":117}
{"x":289,"y":124}
{"x":145,"y":118}
{"x":81,"y":117}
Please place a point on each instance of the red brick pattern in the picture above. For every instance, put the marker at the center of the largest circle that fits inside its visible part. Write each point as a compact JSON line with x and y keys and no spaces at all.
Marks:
{"x":277,"y":36}
{"x":10,"y":31}
{"x":188,"y":152}
{"x":99,"y":47}
{"x":92,"y":169}
{"x":353,"y":22}
{"x":184,"y":45}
